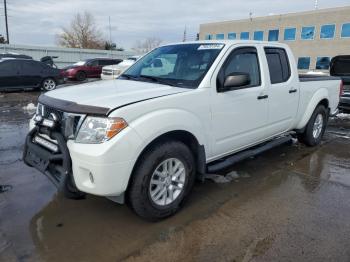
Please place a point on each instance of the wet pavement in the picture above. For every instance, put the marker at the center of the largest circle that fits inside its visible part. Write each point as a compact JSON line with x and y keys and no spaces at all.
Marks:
{"x":288,"y":204}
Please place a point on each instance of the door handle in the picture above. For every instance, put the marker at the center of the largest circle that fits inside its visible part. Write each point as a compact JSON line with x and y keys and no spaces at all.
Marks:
{"x":293,"y":91}
{"x":263,"y":97}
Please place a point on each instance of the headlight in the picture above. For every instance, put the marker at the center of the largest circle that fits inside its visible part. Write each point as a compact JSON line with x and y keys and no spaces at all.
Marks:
{"x":96,"y":130}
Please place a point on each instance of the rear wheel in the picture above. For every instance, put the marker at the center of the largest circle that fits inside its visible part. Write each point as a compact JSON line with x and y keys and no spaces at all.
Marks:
{"x":48,"y":84}
{"x":315,"y":128}
{"x":81,"y":76}
{"x":162,"y":180}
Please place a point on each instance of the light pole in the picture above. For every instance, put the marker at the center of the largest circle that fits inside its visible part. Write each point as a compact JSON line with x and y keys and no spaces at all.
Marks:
{"x":316,"y":4}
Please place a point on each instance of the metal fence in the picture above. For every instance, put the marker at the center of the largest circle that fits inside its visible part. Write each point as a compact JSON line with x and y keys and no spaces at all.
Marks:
{"x":65,"y":56}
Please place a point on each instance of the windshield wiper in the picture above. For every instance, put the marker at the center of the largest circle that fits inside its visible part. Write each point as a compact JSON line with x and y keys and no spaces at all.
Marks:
{"x":157,"y":80}
{"x":129,"y":77}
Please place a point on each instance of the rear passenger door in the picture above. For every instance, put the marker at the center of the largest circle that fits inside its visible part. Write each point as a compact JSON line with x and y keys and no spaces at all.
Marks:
{"x":283,"y":91}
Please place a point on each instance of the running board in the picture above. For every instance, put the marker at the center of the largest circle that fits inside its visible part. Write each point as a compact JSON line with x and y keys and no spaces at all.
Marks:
{"x":233,"y":159}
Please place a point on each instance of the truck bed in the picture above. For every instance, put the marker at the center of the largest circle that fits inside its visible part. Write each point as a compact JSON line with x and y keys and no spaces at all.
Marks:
{"x":310,"y":77}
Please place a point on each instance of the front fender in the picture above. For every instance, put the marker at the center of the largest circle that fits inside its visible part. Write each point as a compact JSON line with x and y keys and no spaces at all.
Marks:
{"x":313,"y":102}
{"x":154,"y":124}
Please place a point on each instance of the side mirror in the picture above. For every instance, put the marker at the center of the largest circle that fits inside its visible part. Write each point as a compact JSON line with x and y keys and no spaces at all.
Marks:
{"x":235,"y":81}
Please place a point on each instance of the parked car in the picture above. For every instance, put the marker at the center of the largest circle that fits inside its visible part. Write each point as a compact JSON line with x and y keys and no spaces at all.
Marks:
{"x":90,"y":68}
{"x":28,"y":74}
{"x":114,"y":71}
{"x":145,"y":137}
{"x":340,"y":66}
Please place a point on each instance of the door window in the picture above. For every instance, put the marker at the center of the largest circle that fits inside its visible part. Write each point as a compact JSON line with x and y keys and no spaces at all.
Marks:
{"x":8,"y":68}
{"x":278,"y":63}
{"x":242,"y":60}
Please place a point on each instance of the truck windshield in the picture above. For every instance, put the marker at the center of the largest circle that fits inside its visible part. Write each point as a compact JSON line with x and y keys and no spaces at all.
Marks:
{"x":182,"y":65}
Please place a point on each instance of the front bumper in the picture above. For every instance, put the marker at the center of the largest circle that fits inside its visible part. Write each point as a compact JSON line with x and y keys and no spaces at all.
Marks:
{"x":108,"y":77}
{"x":55,"y":165}
{"x":98,"y":169}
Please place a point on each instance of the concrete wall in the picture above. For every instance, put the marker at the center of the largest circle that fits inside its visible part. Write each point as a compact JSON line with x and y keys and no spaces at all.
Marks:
{"x":66,"y":56}
{"x":301,"y":48}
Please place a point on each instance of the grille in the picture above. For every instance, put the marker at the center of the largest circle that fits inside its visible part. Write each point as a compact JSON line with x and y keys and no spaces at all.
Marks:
{"x":68,"y":123}
{"x":107,"y":72}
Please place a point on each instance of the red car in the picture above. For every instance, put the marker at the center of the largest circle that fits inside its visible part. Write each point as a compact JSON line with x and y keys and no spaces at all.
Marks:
{"x":90,"y":68}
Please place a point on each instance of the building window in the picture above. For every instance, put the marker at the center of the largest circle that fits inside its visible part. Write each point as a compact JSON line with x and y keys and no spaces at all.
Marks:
{"x":345,"y":30}
{"x":244,"y":35}
{"x":323,"y":62}
{"x":304,"y":63}
{"x":259,"y":35}
{"x":327,"y":31}
{"x":220,"y":36}
{"x":232,"y":36}
{"x":273,"y":35}
{"x":208,"y":37}
{"x":308,"y":33}
{"x":289,"y":34}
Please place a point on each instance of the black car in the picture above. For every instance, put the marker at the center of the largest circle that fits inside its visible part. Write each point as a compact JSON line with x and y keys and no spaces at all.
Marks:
{"x":28,"y":74}
{"x":340,"y":66}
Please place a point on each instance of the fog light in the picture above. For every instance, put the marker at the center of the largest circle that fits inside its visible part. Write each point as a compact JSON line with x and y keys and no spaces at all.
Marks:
{"x":91,"y":177}
{"x":48,"y":123}
{"x":46,"y":144}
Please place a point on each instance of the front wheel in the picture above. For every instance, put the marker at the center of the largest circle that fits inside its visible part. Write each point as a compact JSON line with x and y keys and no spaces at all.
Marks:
{"x":162,"y":180}
{"x":81,"y":76}
{"x":48,"y":84}
{"x":315,"y":128}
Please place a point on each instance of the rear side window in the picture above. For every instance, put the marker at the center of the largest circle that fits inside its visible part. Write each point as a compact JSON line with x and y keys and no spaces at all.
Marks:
{"x":278,"y":63}
{"x":106,"y":62}
{"x":31,"y":67}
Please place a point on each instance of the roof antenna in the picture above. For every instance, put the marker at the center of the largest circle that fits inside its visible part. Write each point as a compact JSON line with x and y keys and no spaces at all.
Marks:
{"x":251,"y":16}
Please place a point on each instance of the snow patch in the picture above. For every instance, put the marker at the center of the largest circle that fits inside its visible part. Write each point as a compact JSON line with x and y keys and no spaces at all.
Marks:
{"x":30,"y":108}
{"x":220,"y":179}
{"x":343,"y":116}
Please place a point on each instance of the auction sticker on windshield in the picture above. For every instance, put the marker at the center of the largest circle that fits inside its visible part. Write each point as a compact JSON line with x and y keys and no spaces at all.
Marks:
{"x":210,"y":46}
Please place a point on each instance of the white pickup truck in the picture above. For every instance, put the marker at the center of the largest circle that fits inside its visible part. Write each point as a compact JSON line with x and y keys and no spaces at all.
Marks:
{"x":146,"y":136}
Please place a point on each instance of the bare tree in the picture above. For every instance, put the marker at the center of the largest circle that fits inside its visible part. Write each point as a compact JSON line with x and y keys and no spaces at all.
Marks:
{"x":82,"y":33}
{"x":147,"y":45}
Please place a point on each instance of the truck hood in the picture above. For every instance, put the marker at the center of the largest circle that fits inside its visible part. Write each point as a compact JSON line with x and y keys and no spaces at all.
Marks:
{"x":111,"y":94}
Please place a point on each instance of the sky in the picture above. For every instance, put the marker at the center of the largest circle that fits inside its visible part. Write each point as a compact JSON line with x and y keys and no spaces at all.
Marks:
{"x":37,"y":22}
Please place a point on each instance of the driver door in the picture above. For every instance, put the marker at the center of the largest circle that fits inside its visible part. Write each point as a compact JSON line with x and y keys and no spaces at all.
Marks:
{"x":239,"y":115}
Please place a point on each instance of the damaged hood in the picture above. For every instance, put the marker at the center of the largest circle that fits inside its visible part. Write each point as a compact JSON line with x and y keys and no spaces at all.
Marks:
{"x":105,"y":95}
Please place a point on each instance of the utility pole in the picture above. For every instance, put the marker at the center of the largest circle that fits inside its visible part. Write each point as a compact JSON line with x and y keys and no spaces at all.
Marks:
{"x":110,"y":30}
{"x":6,"y":23}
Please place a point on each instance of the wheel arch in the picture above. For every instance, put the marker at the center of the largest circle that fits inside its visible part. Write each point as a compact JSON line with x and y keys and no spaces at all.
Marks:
{"x":186,"y":138}
{"x":319,"y":98}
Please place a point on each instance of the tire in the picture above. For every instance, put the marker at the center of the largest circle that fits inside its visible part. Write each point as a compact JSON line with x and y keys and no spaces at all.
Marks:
{"x":70,"y":191}
{"x":48,"y":84}
{"x":81,"y":76}
{"x":315,"y":128}
{"x":146,"y":185}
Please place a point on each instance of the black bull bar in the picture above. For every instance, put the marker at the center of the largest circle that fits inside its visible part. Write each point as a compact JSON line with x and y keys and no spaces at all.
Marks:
{"x":57,"y":166}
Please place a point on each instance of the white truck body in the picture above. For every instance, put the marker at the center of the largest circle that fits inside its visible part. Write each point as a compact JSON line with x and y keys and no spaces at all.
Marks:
{"x":223,"y":123}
